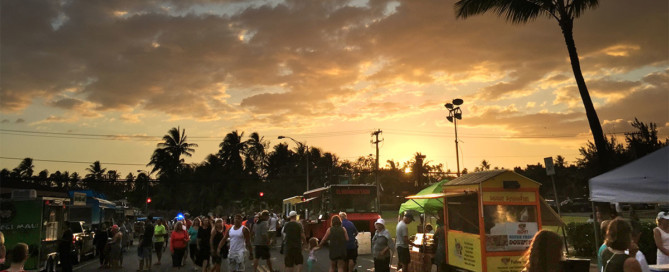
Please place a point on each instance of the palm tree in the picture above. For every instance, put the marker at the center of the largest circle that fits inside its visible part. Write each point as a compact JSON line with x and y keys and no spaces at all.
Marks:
{"x":564,"y":11}
{"x":25,"y":169}
{"x":419,"y":168}
{"x":166,"y":159}
{"x":95,"y":171}
{"x":230,"y":153}
{"x":74,"y":180}
{"x":485,"y":166}
{"x":254,"y":154}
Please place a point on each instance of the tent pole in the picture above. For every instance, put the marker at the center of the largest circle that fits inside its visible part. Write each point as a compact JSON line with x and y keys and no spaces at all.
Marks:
{"x":414,"y":201}
{"x":594,"y":225}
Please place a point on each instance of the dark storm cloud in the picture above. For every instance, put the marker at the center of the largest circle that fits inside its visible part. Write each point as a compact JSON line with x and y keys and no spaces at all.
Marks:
{"x":175,"y":58}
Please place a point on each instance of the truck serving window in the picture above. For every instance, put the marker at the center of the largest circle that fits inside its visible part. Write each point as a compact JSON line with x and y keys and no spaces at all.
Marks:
{"x":509,"y":227}
{"x":52,"y":216}
{"x":362,"y":201}
{"x":463,"y":213}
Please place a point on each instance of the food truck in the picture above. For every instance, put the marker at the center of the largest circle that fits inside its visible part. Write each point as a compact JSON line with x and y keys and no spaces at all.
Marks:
{"x":358,"y":201}
{"x":490,"y":219}
{"x":289,"y":204}
{"x":37,"y":221}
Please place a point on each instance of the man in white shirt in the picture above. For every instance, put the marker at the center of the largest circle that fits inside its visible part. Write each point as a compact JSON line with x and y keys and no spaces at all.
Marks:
{"x":402,"y":242}
{"x":272,"y":222}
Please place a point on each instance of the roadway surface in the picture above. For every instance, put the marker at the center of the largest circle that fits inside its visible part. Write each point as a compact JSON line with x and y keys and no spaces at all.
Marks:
{"x":131,"y":262}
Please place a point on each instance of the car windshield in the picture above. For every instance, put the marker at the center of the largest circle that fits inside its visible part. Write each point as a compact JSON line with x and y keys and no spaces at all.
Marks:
{"x":76,"y":227}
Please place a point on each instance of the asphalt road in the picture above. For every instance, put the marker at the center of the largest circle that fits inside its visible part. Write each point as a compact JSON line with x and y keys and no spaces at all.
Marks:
{"x":131,"y":262}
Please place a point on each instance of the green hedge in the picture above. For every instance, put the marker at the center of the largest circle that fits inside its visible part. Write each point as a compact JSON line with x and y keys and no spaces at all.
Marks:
{"x":580,"y":237}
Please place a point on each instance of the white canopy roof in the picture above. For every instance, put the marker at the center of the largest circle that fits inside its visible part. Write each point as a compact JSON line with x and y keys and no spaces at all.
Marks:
{"x":645,"y":180}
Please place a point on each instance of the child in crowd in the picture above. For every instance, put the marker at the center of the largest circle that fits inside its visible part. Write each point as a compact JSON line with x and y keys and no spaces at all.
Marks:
{"x":313,"y":246}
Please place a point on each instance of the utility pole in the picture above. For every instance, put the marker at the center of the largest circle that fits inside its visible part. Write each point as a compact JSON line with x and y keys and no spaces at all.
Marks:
{"x":376,"y":165}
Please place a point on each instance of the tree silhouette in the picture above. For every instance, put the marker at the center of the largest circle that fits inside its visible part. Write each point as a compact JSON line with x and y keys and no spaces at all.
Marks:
{"x":254,"y":155}
{"x":74,"y":180}
{"x":419,"y":168}
{"x":95,"y":171}
{"x":483,"y":167}
{"x":25,"y":169}
{"x":43,"y":177}
{"x":230,"y":153}
{"x":564,"y":11}
{"x":644,"y":140}
{"x":166,"y":159}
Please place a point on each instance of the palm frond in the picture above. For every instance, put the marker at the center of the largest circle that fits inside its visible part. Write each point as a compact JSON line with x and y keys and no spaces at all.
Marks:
{"x":577,"y":7}
{"x":514,"y":11}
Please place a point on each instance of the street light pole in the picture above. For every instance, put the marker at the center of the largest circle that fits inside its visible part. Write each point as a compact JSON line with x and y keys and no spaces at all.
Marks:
{"x":455,"y":113}
{"x":148,"y":180}
{"x":306,"y":149}
{"x":457,"y":151}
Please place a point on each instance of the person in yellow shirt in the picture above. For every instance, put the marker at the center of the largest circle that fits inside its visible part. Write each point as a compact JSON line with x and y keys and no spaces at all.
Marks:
{"x":159,"y":234}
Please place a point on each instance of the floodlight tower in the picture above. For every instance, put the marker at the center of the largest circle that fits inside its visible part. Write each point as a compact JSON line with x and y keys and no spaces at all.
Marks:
{"x":455,"y":114}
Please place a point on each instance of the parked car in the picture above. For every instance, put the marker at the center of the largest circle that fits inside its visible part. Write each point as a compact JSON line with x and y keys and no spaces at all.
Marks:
{"x":637,"y":206}
{"x":551,"y":203}
{"x":83,"y":241}
{"x":577,"y":204}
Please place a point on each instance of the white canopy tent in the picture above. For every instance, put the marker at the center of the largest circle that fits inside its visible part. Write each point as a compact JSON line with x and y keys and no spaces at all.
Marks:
{"x":645,"y":180}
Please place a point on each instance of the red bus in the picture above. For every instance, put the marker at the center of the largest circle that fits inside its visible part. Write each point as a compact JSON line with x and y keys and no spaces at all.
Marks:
{"x":358,"y":201}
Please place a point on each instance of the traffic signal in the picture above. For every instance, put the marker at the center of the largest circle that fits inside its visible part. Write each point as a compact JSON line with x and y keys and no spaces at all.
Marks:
{"x":261,"y":194}
{"x":148,"y":200}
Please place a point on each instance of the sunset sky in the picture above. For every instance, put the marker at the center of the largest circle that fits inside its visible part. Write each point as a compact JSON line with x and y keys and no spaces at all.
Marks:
{"x":324,"y":72}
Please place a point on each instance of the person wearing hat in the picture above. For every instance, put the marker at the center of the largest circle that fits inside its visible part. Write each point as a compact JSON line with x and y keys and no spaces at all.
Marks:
{"x":382,"y":246}
{"x":294,"y":239}
{"x":403,"y":243}
{"x":661,"y":236}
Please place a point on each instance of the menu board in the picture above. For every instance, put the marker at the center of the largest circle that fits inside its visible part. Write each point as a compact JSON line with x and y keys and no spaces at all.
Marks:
{"x":505,"y":264}
{"x":511,"y":236}
{"x":464,"y":251}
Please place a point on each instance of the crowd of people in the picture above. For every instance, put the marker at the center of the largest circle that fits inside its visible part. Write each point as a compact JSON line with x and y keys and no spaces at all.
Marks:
{"x":619,"y":252}
{"x":210,"y":242}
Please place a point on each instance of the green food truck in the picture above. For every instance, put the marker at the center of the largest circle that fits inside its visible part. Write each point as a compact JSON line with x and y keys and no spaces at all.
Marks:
{"x":36,"y":221}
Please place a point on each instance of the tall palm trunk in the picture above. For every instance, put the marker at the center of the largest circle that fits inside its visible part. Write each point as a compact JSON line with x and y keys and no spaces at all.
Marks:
{"x":593,"y":120}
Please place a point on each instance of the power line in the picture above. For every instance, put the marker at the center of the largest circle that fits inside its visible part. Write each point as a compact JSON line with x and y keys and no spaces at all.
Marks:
{"x":147,"y":138}
{"x":79,"y":162}
{"x":487,"y":136}
{"x":121,"y":137}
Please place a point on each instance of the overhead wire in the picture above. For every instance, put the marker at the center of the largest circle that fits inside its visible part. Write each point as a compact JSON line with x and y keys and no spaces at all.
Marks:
{"x":123,"y":137}
{"x":79,"y":162}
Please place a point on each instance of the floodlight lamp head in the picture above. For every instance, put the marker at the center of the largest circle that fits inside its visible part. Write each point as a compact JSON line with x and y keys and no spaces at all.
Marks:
{"x":458,"y":115}
{"x":457,"y":101}
{"x":281,"y":137}
{"x":450,"y":118}
{"x":448,"y":105}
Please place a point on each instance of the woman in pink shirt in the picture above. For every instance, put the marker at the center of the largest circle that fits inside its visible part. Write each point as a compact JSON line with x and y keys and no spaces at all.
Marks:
{"x":178,"y":243}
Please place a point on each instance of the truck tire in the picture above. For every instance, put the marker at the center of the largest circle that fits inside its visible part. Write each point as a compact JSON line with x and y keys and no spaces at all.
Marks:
{"x":50,"y":265}
{"x":77,"y":256}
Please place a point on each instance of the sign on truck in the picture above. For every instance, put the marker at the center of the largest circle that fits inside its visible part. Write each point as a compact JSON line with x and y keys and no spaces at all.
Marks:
{"x":37,"y":222}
